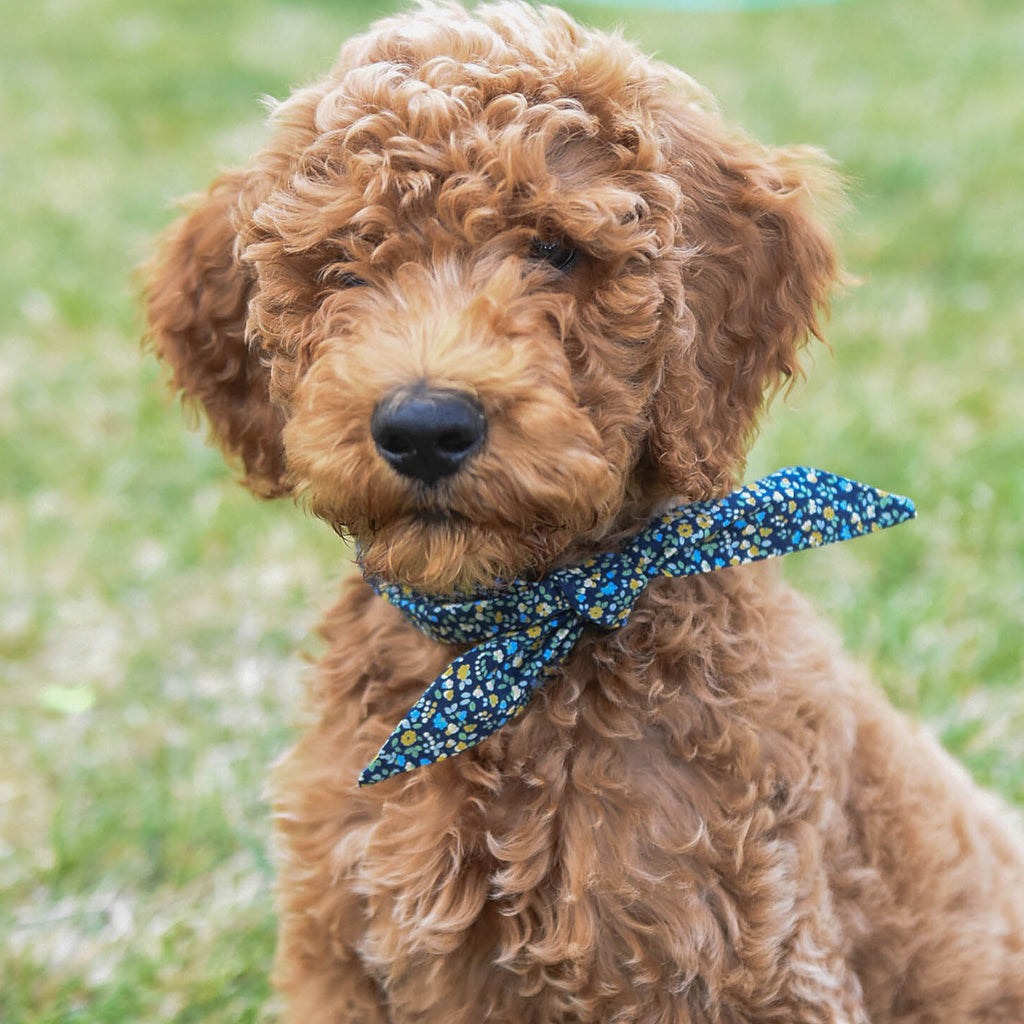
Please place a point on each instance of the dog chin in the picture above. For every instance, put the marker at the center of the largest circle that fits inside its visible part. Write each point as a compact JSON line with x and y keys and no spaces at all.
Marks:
{"x":442,"y":553}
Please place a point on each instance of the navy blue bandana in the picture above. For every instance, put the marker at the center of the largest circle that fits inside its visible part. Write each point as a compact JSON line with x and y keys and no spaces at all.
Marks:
{"x":521,"y":630}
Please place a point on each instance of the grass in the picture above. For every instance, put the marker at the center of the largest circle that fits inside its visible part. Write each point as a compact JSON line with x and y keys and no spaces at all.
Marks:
{"x":152,"y":615}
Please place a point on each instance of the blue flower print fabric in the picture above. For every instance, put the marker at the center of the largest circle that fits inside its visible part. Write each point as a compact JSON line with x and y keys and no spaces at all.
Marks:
{"x":519,"y":631}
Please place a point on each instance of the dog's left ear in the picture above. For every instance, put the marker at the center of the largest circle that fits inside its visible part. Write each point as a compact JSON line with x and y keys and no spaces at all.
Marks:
{"x":197,"y":295}
{"x":757,"y":264}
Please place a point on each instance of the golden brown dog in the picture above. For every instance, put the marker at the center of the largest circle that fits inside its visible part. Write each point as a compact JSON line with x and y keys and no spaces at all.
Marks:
{"x":708,"y":815}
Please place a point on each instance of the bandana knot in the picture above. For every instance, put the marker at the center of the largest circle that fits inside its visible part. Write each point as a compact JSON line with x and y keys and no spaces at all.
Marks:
{"x":520,"y":631}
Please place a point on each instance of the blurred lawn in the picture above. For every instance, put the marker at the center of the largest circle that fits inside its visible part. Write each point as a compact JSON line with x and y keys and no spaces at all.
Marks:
{"x":151,"y":613}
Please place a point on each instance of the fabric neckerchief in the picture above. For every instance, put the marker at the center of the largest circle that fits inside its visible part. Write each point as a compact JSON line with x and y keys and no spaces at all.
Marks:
{"x":521,"y":630}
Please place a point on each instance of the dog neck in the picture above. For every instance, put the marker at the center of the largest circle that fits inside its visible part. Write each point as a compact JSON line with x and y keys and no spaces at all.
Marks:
{"x":519,"y":630}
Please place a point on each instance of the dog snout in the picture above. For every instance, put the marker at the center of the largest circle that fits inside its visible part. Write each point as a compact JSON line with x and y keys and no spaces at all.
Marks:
{"x":428,"y":433}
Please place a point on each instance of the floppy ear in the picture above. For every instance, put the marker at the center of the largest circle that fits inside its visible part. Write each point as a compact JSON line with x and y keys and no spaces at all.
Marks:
{"x":757,"y":265}
{"x":197,"y":293}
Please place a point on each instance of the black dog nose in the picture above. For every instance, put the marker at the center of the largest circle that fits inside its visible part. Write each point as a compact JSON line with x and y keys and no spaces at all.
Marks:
{"x":427,"y":433}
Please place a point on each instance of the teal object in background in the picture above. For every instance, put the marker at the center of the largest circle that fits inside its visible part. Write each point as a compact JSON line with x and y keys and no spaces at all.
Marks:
{"x":707,"y":6}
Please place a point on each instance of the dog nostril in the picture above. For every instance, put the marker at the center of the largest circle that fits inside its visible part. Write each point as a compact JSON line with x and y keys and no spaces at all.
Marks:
{"x":427,"y":434}
{"x":393,"y":443}
{"x":455,"y":442}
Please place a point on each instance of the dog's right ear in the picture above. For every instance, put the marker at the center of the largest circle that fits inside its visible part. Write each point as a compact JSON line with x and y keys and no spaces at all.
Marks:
{"x":197,"y":294}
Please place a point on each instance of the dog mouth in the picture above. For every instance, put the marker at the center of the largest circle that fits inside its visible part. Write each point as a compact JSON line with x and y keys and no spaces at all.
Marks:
{"x":445,"y":551}
{"x":439,"y":517}
{"x":432,"y":517}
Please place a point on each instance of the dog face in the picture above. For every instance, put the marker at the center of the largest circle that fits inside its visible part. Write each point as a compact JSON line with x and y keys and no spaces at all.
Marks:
{"x":497,"y":289}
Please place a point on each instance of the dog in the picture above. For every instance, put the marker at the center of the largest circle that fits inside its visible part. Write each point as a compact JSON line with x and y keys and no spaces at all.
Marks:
{"x":499,"y":290}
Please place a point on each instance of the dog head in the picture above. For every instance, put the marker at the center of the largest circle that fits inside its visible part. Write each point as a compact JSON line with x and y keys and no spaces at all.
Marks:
{"x":497,"y":289}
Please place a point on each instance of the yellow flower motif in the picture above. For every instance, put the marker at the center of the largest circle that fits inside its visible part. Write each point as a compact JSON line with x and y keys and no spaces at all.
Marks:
{"x":828,"y":512}
{"x":463,"y":672}
{"x":408,"y":738}
{"x":635,"y":584}
{"x":704,"y":520}
{"x":533,"y":632}
{"x":685,"y":530}
{"x":595,"y":612}
{"x":493,"y":700}
{"x":448,"y":694}
{"x":460,"y":746}
{"x":816,"y":537}
{"x":754,"y":552}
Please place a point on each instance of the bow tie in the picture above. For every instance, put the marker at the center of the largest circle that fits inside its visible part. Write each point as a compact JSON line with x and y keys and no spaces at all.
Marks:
{"x":522,"y":629}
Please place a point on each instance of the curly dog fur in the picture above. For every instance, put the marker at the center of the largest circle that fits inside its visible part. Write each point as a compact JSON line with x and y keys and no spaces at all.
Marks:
{"x":707,"y":816}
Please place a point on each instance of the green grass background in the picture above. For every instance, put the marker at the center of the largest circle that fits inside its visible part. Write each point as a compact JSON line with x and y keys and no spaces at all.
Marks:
{"x":152,"y":613}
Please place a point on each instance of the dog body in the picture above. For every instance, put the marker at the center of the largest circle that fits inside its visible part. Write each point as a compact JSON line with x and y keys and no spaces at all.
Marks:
{"x":706,"y":816}
{"x":498,"y":290}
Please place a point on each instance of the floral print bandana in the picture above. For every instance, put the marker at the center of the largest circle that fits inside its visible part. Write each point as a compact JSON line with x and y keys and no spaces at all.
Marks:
{"x":521,"y":630}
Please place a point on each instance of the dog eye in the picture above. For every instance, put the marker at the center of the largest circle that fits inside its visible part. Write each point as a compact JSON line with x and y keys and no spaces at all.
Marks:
{"x":350,"y":280}
{"x":561,"y":256}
